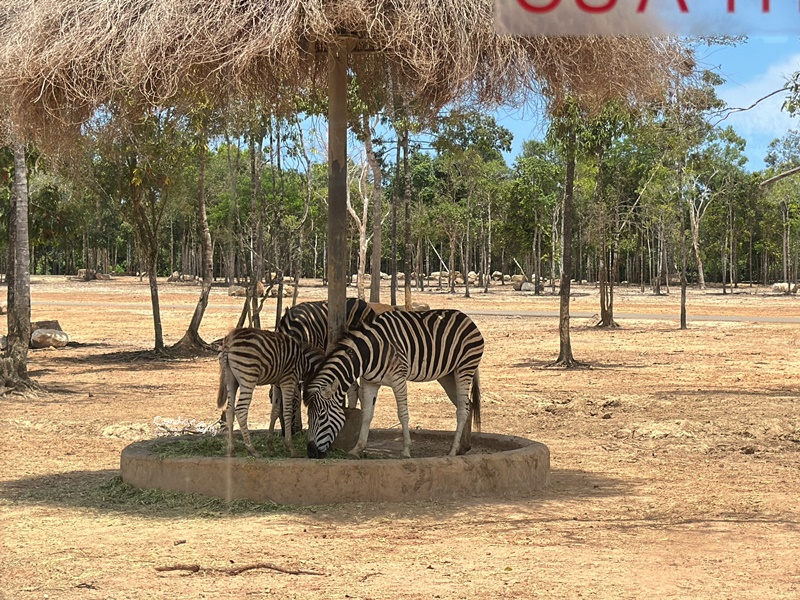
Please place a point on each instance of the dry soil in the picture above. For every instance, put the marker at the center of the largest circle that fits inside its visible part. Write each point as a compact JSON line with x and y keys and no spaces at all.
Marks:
{"x":675,"y":460}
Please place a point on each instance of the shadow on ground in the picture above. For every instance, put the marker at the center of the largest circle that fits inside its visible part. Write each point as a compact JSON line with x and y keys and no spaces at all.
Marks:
{"x":130,"y":358}
{"x":103,"y":491}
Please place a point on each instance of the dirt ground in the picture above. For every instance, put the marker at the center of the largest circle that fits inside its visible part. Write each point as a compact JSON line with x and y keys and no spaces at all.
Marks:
{"x":675,"y":461}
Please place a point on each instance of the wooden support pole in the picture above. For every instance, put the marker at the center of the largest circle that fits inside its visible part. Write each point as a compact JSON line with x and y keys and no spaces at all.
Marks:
{"x":337,"y":192}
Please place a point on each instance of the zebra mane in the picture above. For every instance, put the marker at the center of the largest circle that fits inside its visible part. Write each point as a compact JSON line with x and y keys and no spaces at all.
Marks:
{"x":351,"y":334}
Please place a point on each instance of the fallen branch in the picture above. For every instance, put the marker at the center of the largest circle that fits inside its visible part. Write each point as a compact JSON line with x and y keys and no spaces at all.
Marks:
{"x":237,"y":570}
{"x":192,"y":568}
{"x":270,"y":566}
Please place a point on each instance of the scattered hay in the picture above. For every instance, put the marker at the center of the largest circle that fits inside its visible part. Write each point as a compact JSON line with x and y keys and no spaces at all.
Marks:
{"x":180,"y":426}
{"x":133,"y":432}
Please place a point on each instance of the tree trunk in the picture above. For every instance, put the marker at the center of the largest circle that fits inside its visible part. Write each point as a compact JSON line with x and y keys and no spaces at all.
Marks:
{"x":452,"y":273}
{"x":785,"y":247}
{"x":14,"y":365}
{"x":151,"y":277}
{"x":377,"y":214}
{"x":724,"y":261}
{"x":684,"y":283}
{"x":407,"y":202}
{"x":256,"y":233}
{"x":191,"y":342}
{"x":701,"y":278}
{"x":553,"y":245}
{"x":420,"y":265}
{"x":664,"y":259}
{"x":233,"y":214}
{"x":395,"y":201}
{"x":362,"y":262}
{"x":279,"y":237}
{"x":605,"y":261}
{"x":565,"y":357}
{"x":659,"y":258}
{"x":337,"y":192}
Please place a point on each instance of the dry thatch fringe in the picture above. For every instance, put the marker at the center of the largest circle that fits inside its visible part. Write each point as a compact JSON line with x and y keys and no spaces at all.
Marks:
{"x":59,"y":59}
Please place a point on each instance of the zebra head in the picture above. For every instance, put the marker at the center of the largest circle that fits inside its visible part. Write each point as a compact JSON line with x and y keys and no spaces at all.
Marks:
{"x":325,"y":416}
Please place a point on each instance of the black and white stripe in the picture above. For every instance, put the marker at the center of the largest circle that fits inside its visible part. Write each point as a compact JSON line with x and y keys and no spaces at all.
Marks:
{"x":252,"y":357}
{"x":307,"y":322}
{"x":392,"y":349}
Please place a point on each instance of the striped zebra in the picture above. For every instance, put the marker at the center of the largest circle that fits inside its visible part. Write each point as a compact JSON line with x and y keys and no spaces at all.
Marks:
{"x":307,"y":322}
{"x":392,"y":349}
{"x":252,"y":357}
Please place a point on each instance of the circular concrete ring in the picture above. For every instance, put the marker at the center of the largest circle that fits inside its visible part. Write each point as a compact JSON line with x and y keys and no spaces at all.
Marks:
{"x":506,"y":465}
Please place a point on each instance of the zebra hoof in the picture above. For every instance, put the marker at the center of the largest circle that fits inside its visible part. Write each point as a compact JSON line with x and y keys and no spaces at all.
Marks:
{"x":253,"y":452}
{"x":463,"y":450}
{"x":354,"y":454}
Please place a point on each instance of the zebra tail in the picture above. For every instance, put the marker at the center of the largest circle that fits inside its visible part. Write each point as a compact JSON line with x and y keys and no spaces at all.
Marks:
{"x":476,"y":401}
{"x":222,"y":392}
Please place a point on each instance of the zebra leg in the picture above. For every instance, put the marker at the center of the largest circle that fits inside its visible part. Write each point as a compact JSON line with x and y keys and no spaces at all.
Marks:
{"x":229,"y":414}
{"x":450,"y":386}
{"x":287,"y":391}
{"x":369,"y":394}
{"x":462,"y":416}
{"x":297,"y":423}
{"x":400,"y":389}
{"x":275,"y":414}
{"x":242,"y":408}
{"x":352,"y":395}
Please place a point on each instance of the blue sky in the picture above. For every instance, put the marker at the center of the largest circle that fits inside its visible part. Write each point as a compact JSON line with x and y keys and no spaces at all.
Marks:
{"x":752,"y":70}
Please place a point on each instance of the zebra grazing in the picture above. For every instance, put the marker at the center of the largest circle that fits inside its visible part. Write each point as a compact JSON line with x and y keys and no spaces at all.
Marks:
{"x":252,"y":357}
{"x":308,"y":324}
{"x":392,"y":349}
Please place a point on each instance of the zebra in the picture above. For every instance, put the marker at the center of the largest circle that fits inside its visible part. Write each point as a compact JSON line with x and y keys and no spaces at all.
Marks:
{"x":307,"y":322}
{"x":392,"y":349}
{"x":252,"y":357}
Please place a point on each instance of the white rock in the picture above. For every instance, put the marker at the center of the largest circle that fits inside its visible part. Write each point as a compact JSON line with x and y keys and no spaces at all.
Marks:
{"x":47,"y":338}
{"x":784,"y":287}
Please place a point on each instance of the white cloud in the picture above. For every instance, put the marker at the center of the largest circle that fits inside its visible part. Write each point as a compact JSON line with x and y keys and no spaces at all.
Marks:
{"x":766,"y":121}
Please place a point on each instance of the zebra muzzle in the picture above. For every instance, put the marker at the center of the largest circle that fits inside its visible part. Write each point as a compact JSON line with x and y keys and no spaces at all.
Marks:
{"x":314,"y":452}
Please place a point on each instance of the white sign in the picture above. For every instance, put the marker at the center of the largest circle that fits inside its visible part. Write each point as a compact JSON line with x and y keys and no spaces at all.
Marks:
{"x":647,"y":17}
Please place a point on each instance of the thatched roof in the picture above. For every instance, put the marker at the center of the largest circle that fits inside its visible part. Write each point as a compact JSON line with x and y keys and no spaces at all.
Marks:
{"x":61,"y":58}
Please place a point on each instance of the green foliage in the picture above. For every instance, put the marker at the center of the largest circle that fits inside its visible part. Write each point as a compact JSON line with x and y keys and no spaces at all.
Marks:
{"x":469,"y":130}
{"x":216,"y":446}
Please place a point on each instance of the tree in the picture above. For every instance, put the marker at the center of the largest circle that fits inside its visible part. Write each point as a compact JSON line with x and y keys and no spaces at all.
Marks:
{"x":535,"y":204}
{"x":138,"y":163}
{"x":784,"y":155}
{"x":359,"y":182}
{"x":565,"y":130}
{"x":467,"y":142}
{"x":191,"y":342}
{"x":13,"y":366}
{"x":597,"y":138}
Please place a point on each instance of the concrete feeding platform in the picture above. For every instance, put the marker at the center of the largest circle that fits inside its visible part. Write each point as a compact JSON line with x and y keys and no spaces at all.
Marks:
{"x":497,"y":465}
